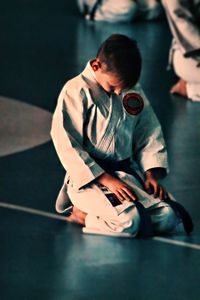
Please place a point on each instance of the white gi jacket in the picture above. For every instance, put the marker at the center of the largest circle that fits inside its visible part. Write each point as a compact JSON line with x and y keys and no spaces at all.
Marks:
{"x":88,"y":124}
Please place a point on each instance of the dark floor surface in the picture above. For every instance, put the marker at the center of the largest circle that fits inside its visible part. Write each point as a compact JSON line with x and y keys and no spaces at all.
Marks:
{"x":43,"y":44}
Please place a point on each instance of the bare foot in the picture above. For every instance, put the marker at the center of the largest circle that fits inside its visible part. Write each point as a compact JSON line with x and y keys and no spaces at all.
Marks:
{"x":179,"y":88}
{"x":77,"y":216}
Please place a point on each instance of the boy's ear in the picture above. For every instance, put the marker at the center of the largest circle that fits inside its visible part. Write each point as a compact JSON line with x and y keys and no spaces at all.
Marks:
{"x":96,"y":65}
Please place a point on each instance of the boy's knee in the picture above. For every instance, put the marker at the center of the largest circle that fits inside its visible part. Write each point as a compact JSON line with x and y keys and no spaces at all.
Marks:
{"x":133,"y":220}
{"x":166,"y":220}
{"x":128,"y":222}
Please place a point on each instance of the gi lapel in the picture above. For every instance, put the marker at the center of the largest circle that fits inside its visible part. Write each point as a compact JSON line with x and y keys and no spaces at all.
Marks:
{"x":114,"y":118}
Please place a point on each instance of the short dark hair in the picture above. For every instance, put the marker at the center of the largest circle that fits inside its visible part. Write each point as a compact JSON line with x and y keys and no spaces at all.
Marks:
{"x":121,"y":55}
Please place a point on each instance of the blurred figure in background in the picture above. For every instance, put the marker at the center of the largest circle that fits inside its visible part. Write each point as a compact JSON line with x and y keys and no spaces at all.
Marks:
{"x":120,"y":10}
{"x":184,"y":21}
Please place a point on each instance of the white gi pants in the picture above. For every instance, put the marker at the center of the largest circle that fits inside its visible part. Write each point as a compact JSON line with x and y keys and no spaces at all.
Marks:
{"x":124,"y":218}
{"x":187,"y":69}
{"x":163,"y":220}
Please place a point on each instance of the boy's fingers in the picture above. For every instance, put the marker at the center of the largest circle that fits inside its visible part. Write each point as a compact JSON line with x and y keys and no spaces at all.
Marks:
{"x":165,"y":194}
{"x":162,"y":194}
{"x":119,"y":196}
{"x":149,"y":191}
{"x":125,"y":196}
{"x":156,"y":188}
{"x":131,"y":194}
{"x":148,"y":188}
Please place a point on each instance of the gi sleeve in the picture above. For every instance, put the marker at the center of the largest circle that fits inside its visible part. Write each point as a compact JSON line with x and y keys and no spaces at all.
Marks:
{"x":183,"y":24}
{"x":67,"y":134}
{"x":148,"y":142}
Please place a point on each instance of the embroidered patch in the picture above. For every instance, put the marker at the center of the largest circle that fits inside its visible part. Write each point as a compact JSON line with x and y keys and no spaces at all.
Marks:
{"x":133,"y":103}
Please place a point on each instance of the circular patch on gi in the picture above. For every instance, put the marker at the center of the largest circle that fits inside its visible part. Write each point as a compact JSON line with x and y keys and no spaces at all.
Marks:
{"x":133,"y":103}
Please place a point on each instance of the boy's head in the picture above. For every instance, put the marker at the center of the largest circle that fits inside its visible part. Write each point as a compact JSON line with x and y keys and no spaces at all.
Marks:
{"x":117,"y":64}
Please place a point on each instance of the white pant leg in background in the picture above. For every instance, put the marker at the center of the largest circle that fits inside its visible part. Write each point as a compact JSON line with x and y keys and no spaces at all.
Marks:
{"x":187,"y":69}
{"x":82,"y":3}
{"x":117,"y":11}
{"x":150,"y":9}
{"x":111,"y":10}
{"x":123,"y":10}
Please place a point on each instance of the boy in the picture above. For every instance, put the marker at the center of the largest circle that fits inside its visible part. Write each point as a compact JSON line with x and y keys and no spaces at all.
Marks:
{"x":111,"y":145}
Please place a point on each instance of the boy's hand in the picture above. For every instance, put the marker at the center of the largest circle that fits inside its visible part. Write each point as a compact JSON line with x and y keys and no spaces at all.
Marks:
{"x":118,"y":187}
{"x":153,"y":187}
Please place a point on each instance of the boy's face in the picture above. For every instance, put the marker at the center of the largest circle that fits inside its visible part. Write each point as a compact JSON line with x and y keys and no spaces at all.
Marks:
{"x":109,"y":81}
